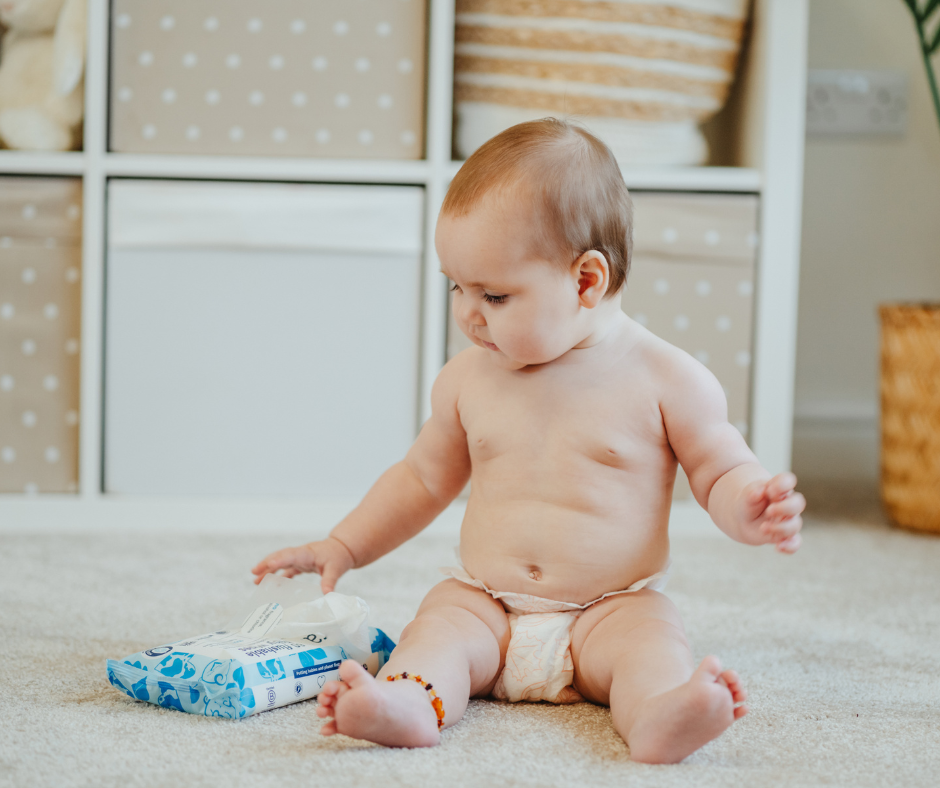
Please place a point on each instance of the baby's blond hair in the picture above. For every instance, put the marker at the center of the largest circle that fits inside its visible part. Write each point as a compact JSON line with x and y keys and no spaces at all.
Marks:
{"x":575,"y":180}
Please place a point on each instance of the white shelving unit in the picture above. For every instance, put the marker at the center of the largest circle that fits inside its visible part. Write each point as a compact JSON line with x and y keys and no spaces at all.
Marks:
{"x":764,"y":126}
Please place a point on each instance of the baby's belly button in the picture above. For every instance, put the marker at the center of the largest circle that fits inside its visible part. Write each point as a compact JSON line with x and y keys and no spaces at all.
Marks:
{"x":535,"y":573}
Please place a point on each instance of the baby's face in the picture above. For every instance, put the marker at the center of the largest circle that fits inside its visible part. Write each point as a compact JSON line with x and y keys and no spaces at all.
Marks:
{"x":508,"y":297}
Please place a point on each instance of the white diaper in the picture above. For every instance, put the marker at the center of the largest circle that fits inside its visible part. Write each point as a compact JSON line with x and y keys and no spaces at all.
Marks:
{"x":538,"y":660}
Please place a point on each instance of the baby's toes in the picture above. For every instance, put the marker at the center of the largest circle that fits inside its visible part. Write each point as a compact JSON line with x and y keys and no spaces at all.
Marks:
{"x":328,"y":696}
{"x":333,"y":689}
{"x":733,"y":682}
{"x":740,"y":711}
{"x":709,"y":669}
{"x":329,"y":729}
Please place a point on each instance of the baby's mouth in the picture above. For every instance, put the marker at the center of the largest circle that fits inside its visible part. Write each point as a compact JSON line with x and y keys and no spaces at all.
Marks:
{"x":488,"y":345}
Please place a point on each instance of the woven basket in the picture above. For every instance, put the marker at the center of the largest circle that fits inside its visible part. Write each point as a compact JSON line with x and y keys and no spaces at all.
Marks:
{"x":910,"y":414}
{"x":641,"y":75}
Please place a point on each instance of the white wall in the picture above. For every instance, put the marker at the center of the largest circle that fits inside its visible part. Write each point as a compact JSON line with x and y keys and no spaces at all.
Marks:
{"x":871,"y":233}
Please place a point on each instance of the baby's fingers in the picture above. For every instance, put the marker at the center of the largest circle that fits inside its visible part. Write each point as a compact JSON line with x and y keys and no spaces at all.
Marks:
{"x":780,"y":530}
{"x":780,"y":486}
{"x":298,"y":559}
{"x":329,"y":575}
{"x":791,"y":545}
{"x":270,"y":564}
{"x":790,"y":506}
{"x":754,"y":494}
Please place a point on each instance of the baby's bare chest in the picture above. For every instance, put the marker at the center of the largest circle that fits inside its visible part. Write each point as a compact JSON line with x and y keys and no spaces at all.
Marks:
{"x":542,"y":418}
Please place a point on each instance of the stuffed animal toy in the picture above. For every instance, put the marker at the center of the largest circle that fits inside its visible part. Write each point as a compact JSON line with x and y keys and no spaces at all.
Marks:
{"x":42,"y":61}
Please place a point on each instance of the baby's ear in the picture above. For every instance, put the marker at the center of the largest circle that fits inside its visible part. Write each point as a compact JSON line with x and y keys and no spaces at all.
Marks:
{"x":593,"y":276}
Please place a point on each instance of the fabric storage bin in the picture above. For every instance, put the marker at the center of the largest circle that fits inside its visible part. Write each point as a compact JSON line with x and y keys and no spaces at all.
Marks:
{"x":691,"y":282}
{"x":40,"y":318}
{"x":641,"y":75}
{"x":261,"y":338}
{"x":325,"y":78}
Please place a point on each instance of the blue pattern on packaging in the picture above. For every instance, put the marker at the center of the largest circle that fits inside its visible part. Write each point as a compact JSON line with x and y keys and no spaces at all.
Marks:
{"x":231,"y":674}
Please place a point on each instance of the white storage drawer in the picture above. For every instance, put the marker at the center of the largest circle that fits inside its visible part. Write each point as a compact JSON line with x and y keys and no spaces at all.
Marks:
{"x":260,"y":338}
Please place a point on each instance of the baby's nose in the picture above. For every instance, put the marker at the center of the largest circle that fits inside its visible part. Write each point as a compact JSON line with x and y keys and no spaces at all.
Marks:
{"x":475,"y":317}
{"x":469,"y":313}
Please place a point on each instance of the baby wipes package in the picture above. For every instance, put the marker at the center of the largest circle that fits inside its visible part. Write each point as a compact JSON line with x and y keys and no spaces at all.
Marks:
{"x":283,"y":651}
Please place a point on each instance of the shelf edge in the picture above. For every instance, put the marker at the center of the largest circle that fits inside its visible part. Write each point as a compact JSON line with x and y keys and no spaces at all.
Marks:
{"x":691,"y":179}
{"x":266,"y":169}
{"x":14,"y":162}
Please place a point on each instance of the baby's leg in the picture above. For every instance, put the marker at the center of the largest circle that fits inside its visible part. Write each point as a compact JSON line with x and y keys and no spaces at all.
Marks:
{"x":630,"y":653}
{"x":457,"y":642}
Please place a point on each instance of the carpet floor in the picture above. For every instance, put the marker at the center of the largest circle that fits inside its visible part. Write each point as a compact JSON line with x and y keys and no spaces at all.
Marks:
{"x":839,"y":647}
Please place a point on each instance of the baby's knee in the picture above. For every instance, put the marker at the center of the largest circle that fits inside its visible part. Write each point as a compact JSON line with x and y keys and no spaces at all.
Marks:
{"x":659,"y":629}
{"x":437,"y":619}
{"x":447,"y":621}
{"x":466,"y":607}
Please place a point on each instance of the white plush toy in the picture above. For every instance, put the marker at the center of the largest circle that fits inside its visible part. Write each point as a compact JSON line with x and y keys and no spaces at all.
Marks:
{"x":42,"y":60}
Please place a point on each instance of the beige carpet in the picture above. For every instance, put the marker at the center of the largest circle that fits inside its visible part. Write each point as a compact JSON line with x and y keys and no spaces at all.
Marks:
{"x":839,"y":645}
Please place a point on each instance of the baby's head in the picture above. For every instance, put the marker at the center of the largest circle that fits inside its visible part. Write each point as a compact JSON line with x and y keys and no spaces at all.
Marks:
{"x":536,"y":233}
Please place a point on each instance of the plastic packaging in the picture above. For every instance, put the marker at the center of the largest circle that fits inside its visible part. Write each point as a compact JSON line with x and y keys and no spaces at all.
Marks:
{"x":282,"y":651}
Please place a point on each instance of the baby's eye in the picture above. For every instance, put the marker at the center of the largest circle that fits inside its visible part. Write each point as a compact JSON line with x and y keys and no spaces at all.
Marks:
{"x":454,"y":288}
{"x":494,"y":299}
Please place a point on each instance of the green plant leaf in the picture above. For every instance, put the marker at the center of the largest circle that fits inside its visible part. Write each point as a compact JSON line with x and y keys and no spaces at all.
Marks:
{"x":926,"y":49}
{"x":935,"y":43}
{"x":928,"y":9}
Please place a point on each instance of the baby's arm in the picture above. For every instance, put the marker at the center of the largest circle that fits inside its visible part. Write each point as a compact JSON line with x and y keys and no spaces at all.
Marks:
{"x":742,"y":497}
{"x":404,"y":500}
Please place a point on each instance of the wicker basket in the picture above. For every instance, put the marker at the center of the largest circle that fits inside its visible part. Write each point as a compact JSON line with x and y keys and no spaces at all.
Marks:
{"x":910,"y":414}
{"x":641,"y":75}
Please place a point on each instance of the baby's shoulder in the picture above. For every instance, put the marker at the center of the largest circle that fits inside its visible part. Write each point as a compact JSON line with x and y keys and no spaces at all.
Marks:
{"x":669,"y":369}
{"x":463,"y":366}
{"x":468,"y":361}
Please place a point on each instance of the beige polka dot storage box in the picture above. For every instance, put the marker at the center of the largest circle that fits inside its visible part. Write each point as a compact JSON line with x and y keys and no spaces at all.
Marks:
{"x":641,"y":74}
{"x":40,"y":301}
{"x":329,"y":78}
{"x":692,"y":283}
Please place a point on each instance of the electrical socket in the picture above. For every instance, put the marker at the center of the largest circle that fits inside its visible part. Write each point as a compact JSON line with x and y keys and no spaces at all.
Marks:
{"x":844,"y":101}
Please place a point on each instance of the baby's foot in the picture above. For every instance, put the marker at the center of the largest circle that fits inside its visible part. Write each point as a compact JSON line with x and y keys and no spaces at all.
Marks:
{"x":675,"y":724}
{"x":393,"y":713}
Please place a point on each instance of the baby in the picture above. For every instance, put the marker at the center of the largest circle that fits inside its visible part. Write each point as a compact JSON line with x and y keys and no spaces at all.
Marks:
{"x":569,"y":418}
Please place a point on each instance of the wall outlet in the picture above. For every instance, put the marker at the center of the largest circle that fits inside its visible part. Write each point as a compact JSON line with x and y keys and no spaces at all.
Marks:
{"x":856,"y":102}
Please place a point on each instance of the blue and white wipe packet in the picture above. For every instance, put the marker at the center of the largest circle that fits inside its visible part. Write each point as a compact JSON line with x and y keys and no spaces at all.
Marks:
{"x":283,"y":651}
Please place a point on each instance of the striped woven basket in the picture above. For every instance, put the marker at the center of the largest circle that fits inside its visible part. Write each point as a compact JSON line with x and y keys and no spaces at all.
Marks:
{"x":641,"y":74}
{"x":910,"y":414}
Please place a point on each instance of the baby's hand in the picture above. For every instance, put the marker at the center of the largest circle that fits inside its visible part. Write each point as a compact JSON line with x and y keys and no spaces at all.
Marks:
{"x":771,"y":511}
{"x":330,"y":559}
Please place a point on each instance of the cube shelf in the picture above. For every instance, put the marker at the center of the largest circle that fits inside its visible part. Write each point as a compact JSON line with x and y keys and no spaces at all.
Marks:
{"x":760,"y":152}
